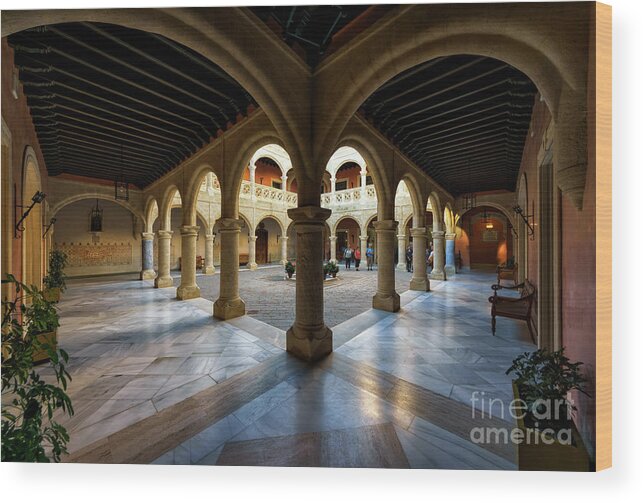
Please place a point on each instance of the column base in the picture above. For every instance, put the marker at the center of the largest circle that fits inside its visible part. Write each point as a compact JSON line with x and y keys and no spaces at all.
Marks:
{"x":309,"y":345}
{"x":449,"y":270}
{"x":420,"y":284}
{"x":188,"y":292}
{"x":401,"y":267}
{"x":209,"y":269}
{"x":252,"y":266}
{"x":283,"y":262}
{"x":390,"y":303}
{"x":148,"y":274}
{"x":439,"y":275}
{"x":165,"y":282}
{"x":228,"y":309}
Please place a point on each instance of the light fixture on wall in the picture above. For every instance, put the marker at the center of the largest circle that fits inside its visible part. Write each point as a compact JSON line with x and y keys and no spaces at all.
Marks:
{"x":37,"y":198}
{"x":121,"y":187}
{"x":487,"y":220}
{"x":96,"y":219}
{"x":51,"y":222}
{"x":528,"y":219}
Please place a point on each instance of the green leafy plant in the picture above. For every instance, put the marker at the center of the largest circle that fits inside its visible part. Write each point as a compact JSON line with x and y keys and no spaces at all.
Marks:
{"x":290,"y":268}
{"x":544,"y":380}
{"x":331,"y":267}
{"x":56,"y":275}
{"x":29,"y":432}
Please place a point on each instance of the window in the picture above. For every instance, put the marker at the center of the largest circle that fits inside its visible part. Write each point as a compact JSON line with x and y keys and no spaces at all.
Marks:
{"x":276,"y":184}
{"x":343,"y":185}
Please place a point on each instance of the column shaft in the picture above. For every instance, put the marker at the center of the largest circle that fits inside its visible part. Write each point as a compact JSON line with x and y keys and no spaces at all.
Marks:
{"x":147,"y":249}
{"x":188,"y":288}
{"x":208,"y":267}
{"x":401,"y":252}
{"x":449,"y":249}
{"x":386,"y":298}
{"x":309,"y":338}
{"x":284,"y":249}
{"x":419,"y":281}
{"x":252,"y":252}
{"x":229,"y":304}
{"x":438,"y":256}
{"x":333,"y":248}
{"x":164,"y":279}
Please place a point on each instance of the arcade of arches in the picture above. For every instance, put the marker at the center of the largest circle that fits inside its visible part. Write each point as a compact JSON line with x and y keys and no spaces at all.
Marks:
{"x":234,"y":167}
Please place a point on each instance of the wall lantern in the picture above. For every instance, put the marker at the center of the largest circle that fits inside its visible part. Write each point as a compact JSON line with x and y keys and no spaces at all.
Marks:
{"x":96,"y":219}
{"x":51,"y":222}
{"x":469,"y":201}
{"x":528,"y":219}
{"x":37,"y":198}
{"x":487,"y":220}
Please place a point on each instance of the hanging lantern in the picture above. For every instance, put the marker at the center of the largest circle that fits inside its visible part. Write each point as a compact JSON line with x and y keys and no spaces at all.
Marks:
{"x":96,"y":219}
{"x":121,"y":187}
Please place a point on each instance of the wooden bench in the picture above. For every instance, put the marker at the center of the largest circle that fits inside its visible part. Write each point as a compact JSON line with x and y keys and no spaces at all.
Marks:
{"x":517,"y":308}
{"x":507,"y":273}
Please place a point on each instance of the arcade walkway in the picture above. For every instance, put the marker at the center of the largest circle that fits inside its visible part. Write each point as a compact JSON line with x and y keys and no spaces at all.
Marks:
{"x":158,"y":380}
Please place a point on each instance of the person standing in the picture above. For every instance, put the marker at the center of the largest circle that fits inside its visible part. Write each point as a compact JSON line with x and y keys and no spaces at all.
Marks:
{"x":358,"y":258}
{"x":409,"y":258}
{"x":348,"y":255}
{"x":369,"y":258}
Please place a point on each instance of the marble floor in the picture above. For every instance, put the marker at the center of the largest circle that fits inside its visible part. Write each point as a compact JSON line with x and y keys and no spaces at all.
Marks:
{"x":157,"y":380}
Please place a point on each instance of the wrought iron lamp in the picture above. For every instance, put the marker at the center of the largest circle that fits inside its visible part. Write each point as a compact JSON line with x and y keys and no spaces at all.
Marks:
{"x":51,"y":222}
{"x":528,"y":219}
{"x":96,"y":219}
{"x":37,"y":198}
{"x":121,"y":187}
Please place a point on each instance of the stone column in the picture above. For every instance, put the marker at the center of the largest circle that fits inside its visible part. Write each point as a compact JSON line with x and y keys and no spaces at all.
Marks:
{"x":147,"y":245}
{"x":386,"y":298}
{"x":229,"y":304}
{"x":363,"y":244}
{"x":333,"y":248}
{"x":419,"y":281}
{"x":188,"y":288}
{"x":283,"y":240}
{"x":401,"y":252}
{"x":163,"y":278}
{"x":208,"y":267}
{"x":332,"y":184}
{"x":252,"y":252}
{"x":449,"y":267}
{"x":309,"y":338}
{"x":438,"y":256}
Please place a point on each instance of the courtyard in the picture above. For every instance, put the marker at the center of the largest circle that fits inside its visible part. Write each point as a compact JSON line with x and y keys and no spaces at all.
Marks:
{"x":142,"y":361}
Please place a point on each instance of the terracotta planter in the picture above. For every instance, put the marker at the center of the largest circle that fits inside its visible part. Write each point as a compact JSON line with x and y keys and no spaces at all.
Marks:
{"x":52,"y":294}
{"x":40,"y":355}
{"x":555,"y":456}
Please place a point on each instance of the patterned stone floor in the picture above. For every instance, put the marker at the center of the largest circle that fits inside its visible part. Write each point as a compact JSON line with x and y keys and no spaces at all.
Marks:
{"x":346,"y":297}
{"x":158,"y":380}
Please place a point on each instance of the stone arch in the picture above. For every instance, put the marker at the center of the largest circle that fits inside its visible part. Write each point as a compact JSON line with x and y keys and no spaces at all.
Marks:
{"x":32,"y":241}
{"x":341,"y":156}
{"x":165,"y":213}
{"x":413,"y":186}
{"x":436,"y":209}
{"x":274,"y":217}
{"x":151,"y":213}
{"x":231,"y":181}
{"x":347,"y":217}
{"x":192,"y":191}
{"x":284,"y":164}
{"x":103,"y":197}
{"x":385,"y":192}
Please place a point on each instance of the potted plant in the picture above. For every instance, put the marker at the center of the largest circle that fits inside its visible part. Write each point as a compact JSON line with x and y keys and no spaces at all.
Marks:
{"x":331,"y":268}
{"x":55,"y":279}
{"x":29,"y":432}
{"x":549,"y":438}
{"x":290,"y":269}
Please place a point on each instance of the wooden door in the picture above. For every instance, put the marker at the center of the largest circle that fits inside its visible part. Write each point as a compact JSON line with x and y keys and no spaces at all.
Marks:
{"x":262,"y":246}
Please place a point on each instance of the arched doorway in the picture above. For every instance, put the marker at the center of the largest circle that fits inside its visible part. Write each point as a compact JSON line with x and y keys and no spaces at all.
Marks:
{"x":32,"y":241}
{"x":267,"y":244}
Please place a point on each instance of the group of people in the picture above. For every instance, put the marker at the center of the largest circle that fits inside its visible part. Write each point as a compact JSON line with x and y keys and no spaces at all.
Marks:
{"x":351,"y":254}
{"x":409,"y":257}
